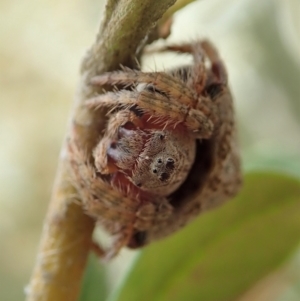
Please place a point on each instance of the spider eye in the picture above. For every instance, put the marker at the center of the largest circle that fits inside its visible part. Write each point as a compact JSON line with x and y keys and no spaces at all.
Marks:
{"x":154,"y":170}
{"x":164,"y":177}
{"x":113,"y":145}
{"x":161,"y":137}
{"x":159,"y":160}
{"x":138,"y":184}
{"x":170,"y":163}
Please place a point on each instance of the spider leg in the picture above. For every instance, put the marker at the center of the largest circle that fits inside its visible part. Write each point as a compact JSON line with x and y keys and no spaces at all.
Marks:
{"x":197,"y":76}
{"x":165,"y":83}
{"x":217,"y":65}
{"x":106,"y":149}
{"x":158,"y":105}
{"x":97,"y":249}
{"x":145,"y":217}
{"x":120,"y":240}
{"x":212,"y":82}
{"x":103,"y":202}
{"x":115,"y":212}
{"x":93,"y":188}
{"x":196,"y":49}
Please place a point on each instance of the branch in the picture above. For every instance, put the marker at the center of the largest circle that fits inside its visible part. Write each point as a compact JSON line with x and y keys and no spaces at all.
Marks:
{"x":172,"y":10}
{"x":67,"y":232}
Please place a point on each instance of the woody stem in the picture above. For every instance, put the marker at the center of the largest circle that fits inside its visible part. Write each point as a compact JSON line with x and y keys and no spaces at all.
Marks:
{"x":67,"y":231}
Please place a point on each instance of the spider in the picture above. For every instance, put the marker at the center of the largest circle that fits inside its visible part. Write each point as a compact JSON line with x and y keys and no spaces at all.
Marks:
{"x":168,"y":152}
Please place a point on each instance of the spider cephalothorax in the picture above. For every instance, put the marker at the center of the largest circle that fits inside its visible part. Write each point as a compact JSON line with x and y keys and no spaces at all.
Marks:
{"x":155,"y":158}
{"x":168,"y":152}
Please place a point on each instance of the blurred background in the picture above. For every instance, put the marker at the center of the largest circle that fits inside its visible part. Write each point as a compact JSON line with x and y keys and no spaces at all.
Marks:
{"x":42,"y":43}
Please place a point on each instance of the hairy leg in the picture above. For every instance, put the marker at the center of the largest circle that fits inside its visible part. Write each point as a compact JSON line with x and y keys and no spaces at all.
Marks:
{"x":157,"y":105}
{"x":197,"y":49}
{"x":106,"y":153}
{"x":165,"y":83}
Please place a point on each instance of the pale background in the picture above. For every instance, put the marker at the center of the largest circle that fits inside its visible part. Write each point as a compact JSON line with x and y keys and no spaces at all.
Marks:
{"x":42,"y":43}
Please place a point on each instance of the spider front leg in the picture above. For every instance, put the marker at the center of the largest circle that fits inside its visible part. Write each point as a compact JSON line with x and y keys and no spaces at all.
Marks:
{"x":168,"y":96}
{"x":114,"y":211}
{"x":109,"y":154}
{"x":210,"y":81}
{"x":198,"y":50}
{"x":164,"y":107}
{"x":161,"y":81}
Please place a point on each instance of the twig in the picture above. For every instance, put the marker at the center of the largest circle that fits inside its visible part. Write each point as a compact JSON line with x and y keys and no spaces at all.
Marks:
{"x":176,"y":7}
{"x":67,"y":232}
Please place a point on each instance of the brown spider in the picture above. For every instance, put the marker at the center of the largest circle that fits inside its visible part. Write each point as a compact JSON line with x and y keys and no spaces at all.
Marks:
{"x":169,"y":150}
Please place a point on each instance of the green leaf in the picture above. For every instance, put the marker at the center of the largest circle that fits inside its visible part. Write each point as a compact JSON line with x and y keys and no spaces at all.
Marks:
{"x":221,"y":254}
{"x":94,"y":283}
{"x":279,"y":163}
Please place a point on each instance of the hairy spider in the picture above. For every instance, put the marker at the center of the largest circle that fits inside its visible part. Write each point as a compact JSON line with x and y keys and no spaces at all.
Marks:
{"x":168,"y":152}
